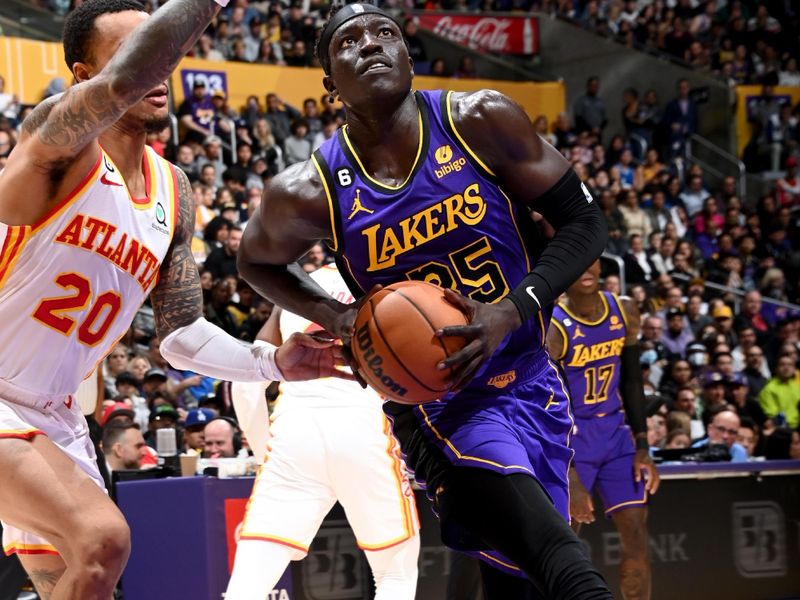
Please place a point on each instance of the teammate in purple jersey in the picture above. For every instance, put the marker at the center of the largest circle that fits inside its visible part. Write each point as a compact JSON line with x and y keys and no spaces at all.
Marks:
{"x":438,"y":187}
{"x":595,"y":336}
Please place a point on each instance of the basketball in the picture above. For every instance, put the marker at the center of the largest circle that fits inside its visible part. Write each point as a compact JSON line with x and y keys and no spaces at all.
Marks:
{"x":395,"y":346}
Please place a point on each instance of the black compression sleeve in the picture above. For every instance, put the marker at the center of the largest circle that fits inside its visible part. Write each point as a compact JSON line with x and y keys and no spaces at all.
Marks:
{"x":580,"y":238}
{"x":633,"y":394}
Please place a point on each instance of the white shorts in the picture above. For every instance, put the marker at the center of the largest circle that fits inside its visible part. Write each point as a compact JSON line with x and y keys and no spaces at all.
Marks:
{"x":25,"y":416}
{"x":317,"y":456}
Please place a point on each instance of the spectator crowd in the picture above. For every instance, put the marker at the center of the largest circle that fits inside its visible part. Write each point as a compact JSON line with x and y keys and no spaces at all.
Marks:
{"x":720,"y":368}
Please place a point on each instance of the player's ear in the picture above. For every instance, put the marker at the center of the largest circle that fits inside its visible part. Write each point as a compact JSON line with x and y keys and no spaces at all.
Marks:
{"x":329,"y":85}
{"x":81,"y":72}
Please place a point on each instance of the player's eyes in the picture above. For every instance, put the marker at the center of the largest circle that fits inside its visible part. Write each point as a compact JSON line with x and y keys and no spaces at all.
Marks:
{"x":348,"y":41}
{"x":386,"y":31}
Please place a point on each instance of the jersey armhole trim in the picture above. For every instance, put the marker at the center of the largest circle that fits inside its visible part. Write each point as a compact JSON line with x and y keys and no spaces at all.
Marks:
{"x":346,"y":271}
{"x":76,"y":193}
{"x":334,"y":211}
{"x":176,"y":200}
{"x":15,"y":239}
{"x":621,"y":310}
{"x":564,"y":337}
{"x":450,"y":126}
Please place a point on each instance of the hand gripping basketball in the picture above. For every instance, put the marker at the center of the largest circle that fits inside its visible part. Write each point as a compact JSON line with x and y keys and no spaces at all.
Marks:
{"x":488,"y":325}
{"x":394,"y":345}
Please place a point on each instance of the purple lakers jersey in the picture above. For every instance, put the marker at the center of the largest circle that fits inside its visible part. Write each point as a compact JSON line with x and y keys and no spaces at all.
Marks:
{"x":591,"y":357}
{"x":449,"y":223}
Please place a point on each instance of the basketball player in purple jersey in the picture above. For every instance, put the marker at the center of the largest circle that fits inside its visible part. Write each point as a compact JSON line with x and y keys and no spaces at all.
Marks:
{"x":438,"y":187}
{"x":595,"y":336}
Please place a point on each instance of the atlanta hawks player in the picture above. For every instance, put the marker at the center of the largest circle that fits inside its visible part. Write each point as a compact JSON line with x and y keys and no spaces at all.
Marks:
{"x":92,"y":222}
{"x":329,"y":441}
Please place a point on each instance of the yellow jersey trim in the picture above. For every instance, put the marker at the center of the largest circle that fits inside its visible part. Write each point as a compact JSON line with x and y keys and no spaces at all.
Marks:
{"x":465,"y":456}
{"x":413,"y":167}
{"x":463,"y":142}
{"x":331,"y":213}
{"x":584,"y":321}
{"x":621,"y":311}
{"x":560,"y":328}
{"x":624,"y":504}
{"x":491,"y":558}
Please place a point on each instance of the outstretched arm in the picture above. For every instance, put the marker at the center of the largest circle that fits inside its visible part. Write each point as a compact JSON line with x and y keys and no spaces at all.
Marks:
{"x":189,"y":341}
{"x":59,"y":131}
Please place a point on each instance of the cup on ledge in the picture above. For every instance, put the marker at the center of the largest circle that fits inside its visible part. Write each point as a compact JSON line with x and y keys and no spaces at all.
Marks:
{"x":189,"y":465}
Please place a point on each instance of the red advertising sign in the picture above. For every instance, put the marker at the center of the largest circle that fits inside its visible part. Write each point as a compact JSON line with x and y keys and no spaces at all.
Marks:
{"x":234,"y":515}
{"x":508,"y":35}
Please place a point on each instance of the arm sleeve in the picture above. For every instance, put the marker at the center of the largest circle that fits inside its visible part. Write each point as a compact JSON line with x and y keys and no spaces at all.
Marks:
{"x":633,"y":393}
{"x":206,"y":349}
{"x":581,"y":235}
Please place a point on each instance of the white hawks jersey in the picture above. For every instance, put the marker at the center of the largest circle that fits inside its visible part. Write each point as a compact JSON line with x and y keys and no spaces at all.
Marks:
{"x":330,"y":391}
{"x":71,"y":283}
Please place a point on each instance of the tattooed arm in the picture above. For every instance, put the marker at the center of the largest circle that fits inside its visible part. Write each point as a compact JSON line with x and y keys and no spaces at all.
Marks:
{"x":190,"y":342}
{"x":59,"y":130}
{"x":178,"y":298}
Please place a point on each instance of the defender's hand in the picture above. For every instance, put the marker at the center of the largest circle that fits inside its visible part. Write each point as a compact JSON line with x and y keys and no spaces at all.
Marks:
{"x":304,"y":357}
{"x":643,"y":466}
{"x":488,"y":325}
{"x":581,"y":506}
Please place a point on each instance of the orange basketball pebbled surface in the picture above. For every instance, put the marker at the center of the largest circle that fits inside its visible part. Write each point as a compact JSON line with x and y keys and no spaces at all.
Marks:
{"x":395,"y":345}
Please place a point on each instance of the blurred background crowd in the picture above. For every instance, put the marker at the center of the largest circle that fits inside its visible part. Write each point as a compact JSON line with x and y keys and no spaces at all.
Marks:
{"x":716,"y":276}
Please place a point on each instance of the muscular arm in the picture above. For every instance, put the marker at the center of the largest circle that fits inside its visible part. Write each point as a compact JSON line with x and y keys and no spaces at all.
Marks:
{"x":58,"y":142}
{"x":178,"y":298}
{"x":532,"y":172}
{"x":632,"y":384}
{"x":293,"y":215}
{"x":61,"y":130}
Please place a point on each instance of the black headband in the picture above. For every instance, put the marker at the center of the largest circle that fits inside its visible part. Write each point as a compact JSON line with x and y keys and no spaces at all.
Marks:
{"x":349,"y":11}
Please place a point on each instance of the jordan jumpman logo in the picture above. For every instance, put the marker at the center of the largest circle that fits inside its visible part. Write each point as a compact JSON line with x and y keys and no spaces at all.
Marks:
{"x":358,"y":207}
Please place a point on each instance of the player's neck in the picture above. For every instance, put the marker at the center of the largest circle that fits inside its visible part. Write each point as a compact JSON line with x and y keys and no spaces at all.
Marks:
{"x":586,"y":306}
{"x":384,"y":122}
{"x":126,"y":149}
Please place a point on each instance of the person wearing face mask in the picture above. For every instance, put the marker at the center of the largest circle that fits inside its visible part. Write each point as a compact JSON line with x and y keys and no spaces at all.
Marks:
{"x":697,"y":355}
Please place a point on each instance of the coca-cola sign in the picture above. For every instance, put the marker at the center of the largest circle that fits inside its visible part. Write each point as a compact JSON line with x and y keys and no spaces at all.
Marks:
{"x":507,"y":35}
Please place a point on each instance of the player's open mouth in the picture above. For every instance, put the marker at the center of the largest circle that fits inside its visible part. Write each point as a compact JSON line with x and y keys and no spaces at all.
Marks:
{"x":377,"y":66}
